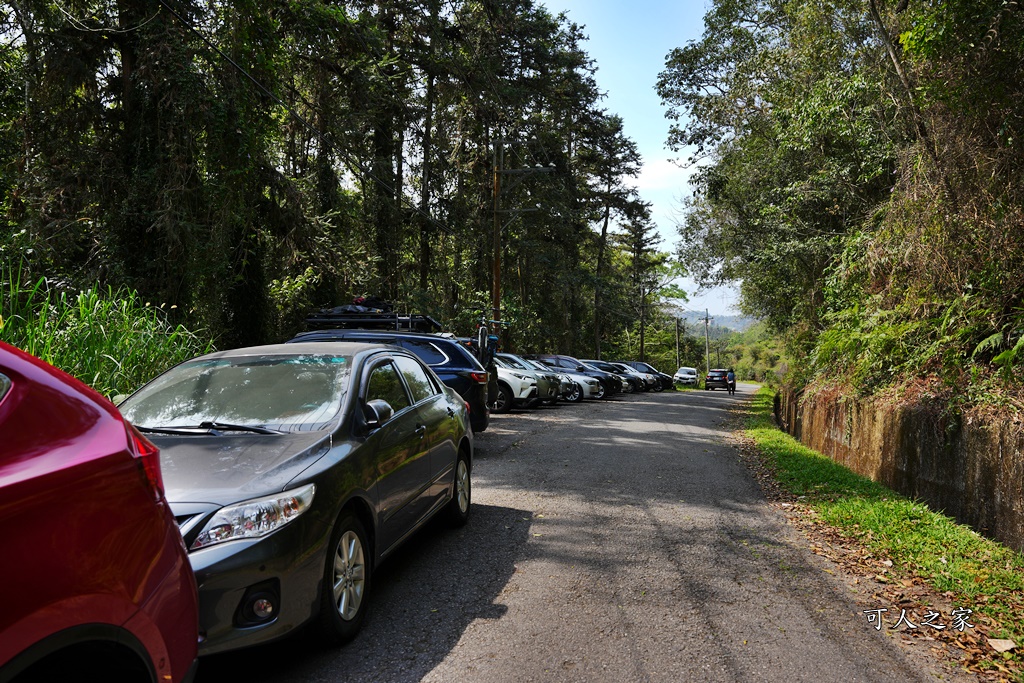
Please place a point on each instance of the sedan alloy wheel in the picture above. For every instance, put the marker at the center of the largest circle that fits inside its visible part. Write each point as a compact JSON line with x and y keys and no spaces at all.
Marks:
{"x":458,"y":507}
{"x":346,"y":584}
{"x":349,"y":575}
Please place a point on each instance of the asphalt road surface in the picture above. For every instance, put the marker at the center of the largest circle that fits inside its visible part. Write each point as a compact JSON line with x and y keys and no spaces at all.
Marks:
{"x":620,"y":540}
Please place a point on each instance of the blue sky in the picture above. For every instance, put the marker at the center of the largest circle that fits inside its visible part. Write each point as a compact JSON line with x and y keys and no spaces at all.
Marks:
{"x":629,"y":42}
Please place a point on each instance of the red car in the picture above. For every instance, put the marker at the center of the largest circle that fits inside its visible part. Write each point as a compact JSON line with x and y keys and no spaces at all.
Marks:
{"x":95,"y":580}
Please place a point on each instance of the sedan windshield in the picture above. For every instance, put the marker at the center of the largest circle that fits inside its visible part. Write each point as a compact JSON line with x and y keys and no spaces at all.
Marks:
{"x":537,"y":365}
{"x":511,"y":362}
{"x":288,"y":393}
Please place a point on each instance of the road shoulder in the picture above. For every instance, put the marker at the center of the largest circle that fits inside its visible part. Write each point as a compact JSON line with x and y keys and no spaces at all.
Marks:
{"x":864,"y":578}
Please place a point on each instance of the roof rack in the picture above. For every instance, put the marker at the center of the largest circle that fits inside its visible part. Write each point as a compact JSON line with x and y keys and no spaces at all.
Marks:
{"x":343,"y":317}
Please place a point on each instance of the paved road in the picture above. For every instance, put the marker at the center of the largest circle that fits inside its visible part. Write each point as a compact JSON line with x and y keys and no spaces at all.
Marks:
{"x":619,"y":540}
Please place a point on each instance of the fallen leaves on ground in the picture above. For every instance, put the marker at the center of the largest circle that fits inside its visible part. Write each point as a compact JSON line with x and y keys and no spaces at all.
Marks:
{"x":871,"y":576}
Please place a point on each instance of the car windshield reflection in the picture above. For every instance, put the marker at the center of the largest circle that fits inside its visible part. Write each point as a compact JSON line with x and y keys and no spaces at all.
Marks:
{"x":292,"y":393}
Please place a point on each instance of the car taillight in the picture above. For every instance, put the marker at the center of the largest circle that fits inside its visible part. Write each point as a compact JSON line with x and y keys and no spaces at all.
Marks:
{"x":479,"y":377}
{"x":466,"y":403}
{"x":148,"y":457}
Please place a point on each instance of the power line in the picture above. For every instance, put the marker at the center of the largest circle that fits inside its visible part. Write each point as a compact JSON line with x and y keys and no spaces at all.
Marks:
{"x":79,"y":25}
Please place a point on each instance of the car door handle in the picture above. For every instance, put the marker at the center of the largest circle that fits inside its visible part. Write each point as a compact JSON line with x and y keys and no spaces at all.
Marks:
{"x":421,"y":431}
{"x":451,"y":411}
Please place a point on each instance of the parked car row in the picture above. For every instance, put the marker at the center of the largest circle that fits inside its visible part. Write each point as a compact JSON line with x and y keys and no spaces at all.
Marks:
{"x":256,"y":490}
{"x":574,"y":378}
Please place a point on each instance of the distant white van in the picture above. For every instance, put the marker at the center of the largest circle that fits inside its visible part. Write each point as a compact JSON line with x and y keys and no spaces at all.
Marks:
{"x":685,"y":376}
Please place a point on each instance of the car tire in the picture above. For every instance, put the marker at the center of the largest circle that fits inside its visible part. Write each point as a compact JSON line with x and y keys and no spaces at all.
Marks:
{"x":576,"y":395}
{"x":344,"y":597}
{"x":658,"y":387}
{"x":503,"y":402}
{"x":601,"y":391}
{"x":462,"y":492}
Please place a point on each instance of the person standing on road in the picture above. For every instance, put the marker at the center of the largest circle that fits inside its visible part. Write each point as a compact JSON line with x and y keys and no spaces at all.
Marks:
{"x":730,"y":380}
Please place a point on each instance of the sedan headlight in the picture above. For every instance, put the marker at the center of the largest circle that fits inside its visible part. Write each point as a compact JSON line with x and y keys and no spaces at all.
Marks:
{"x":254,"y":518}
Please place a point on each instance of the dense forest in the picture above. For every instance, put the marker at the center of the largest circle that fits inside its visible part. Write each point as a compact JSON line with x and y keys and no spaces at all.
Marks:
{"x":239,"y":164}
{"x":236,"y":165}
{"x":860,"y":173}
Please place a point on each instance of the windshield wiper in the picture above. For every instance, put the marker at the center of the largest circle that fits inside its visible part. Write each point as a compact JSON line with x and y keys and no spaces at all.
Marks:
{"x":169,"y":430}
{"x":208,"y":428}
{"x":228,"y":427}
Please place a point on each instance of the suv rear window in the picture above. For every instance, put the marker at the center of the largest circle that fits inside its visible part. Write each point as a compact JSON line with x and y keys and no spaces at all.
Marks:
{"x":427,"y":352}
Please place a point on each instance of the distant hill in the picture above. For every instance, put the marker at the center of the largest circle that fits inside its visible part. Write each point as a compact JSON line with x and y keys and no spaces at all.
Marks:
{"x":736,"y":323}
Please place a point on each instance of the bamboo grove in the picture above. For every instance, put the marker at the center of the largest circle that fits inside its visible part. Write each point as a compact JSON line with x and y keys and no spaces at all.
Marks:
{"x":241,"y":163}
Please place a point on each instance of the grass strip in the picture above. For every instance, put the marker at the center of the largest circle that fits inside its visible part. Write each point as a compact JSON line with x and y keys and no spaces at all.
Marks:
{"x":949,"y":557}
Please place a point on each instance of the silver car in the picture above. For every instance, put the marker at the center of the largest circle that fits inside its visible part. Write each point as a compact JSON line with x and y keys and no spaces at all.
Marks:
{"x":575,"y":387}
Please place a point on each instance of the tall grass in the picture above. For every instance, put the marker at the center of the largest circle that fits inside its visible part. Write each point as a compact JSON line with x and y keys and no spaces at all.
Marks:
{"x":109,"y":339}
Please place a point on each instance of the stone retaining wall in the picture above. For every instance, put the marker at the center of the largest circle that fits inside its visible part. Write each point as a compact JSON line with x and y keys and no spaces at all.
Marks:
{"x":972,"y":470}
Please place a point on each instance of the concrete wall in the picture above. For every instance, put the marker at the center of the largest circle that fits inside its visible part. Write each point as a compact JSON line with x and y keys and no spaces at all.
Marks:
{"x":970,"y":468}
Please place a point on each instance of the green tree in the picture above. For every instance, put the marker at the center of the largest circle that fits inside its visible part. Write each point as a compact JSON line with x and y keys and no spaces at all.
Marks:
{"x":780,"y":103}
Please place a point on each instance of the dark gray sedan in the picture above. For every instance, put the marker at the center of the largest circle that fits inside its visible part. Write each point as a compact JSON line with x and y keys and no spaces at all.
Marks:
{"x":293,"y":470}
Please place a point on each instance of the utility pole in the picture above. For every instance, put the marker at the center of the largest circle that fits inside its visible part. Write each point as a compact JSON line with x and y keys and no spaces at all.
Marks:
{"x":677,"y":341}
{"x":707,"y":342}
{"x":498,"y":226}
{"x":499,"y":160}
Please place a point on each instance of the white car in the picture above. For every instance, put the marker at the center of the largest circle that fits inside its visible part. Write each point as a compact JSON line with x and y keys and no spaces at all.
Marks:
{"x":548,"y":381}
{"x":685,"y":377}
{"x":515,"y":387}
{"x":581,"y":387}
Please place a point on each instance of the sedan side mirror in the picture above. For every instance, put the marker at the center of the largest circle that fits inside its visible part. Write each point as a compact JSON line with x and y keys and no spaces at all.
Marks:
{"x":580,"y":368}
{"x":377,"y":412}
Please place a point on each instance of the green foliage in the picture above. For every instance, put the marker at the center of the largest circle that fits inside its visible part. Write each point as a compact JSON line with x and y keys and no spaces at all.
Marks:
{"x":867,"y":197}
{"x":113,"y":340}
{"x":757,"y":354}
{"x":353,"y":156}
{"x":785,"y":111}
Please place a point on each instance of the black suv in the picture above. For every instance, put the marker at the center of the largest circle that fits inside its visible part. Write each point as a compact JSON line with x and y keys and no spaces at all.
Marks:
{"x":610,"y":384}
{"x":453,"y":363}
{"x":716,"y":377}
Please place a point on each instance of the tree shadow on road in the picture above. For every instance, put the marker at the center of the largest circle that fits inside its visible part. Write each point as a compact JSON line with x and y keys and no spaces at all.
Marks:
{"x":423,"y":599}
